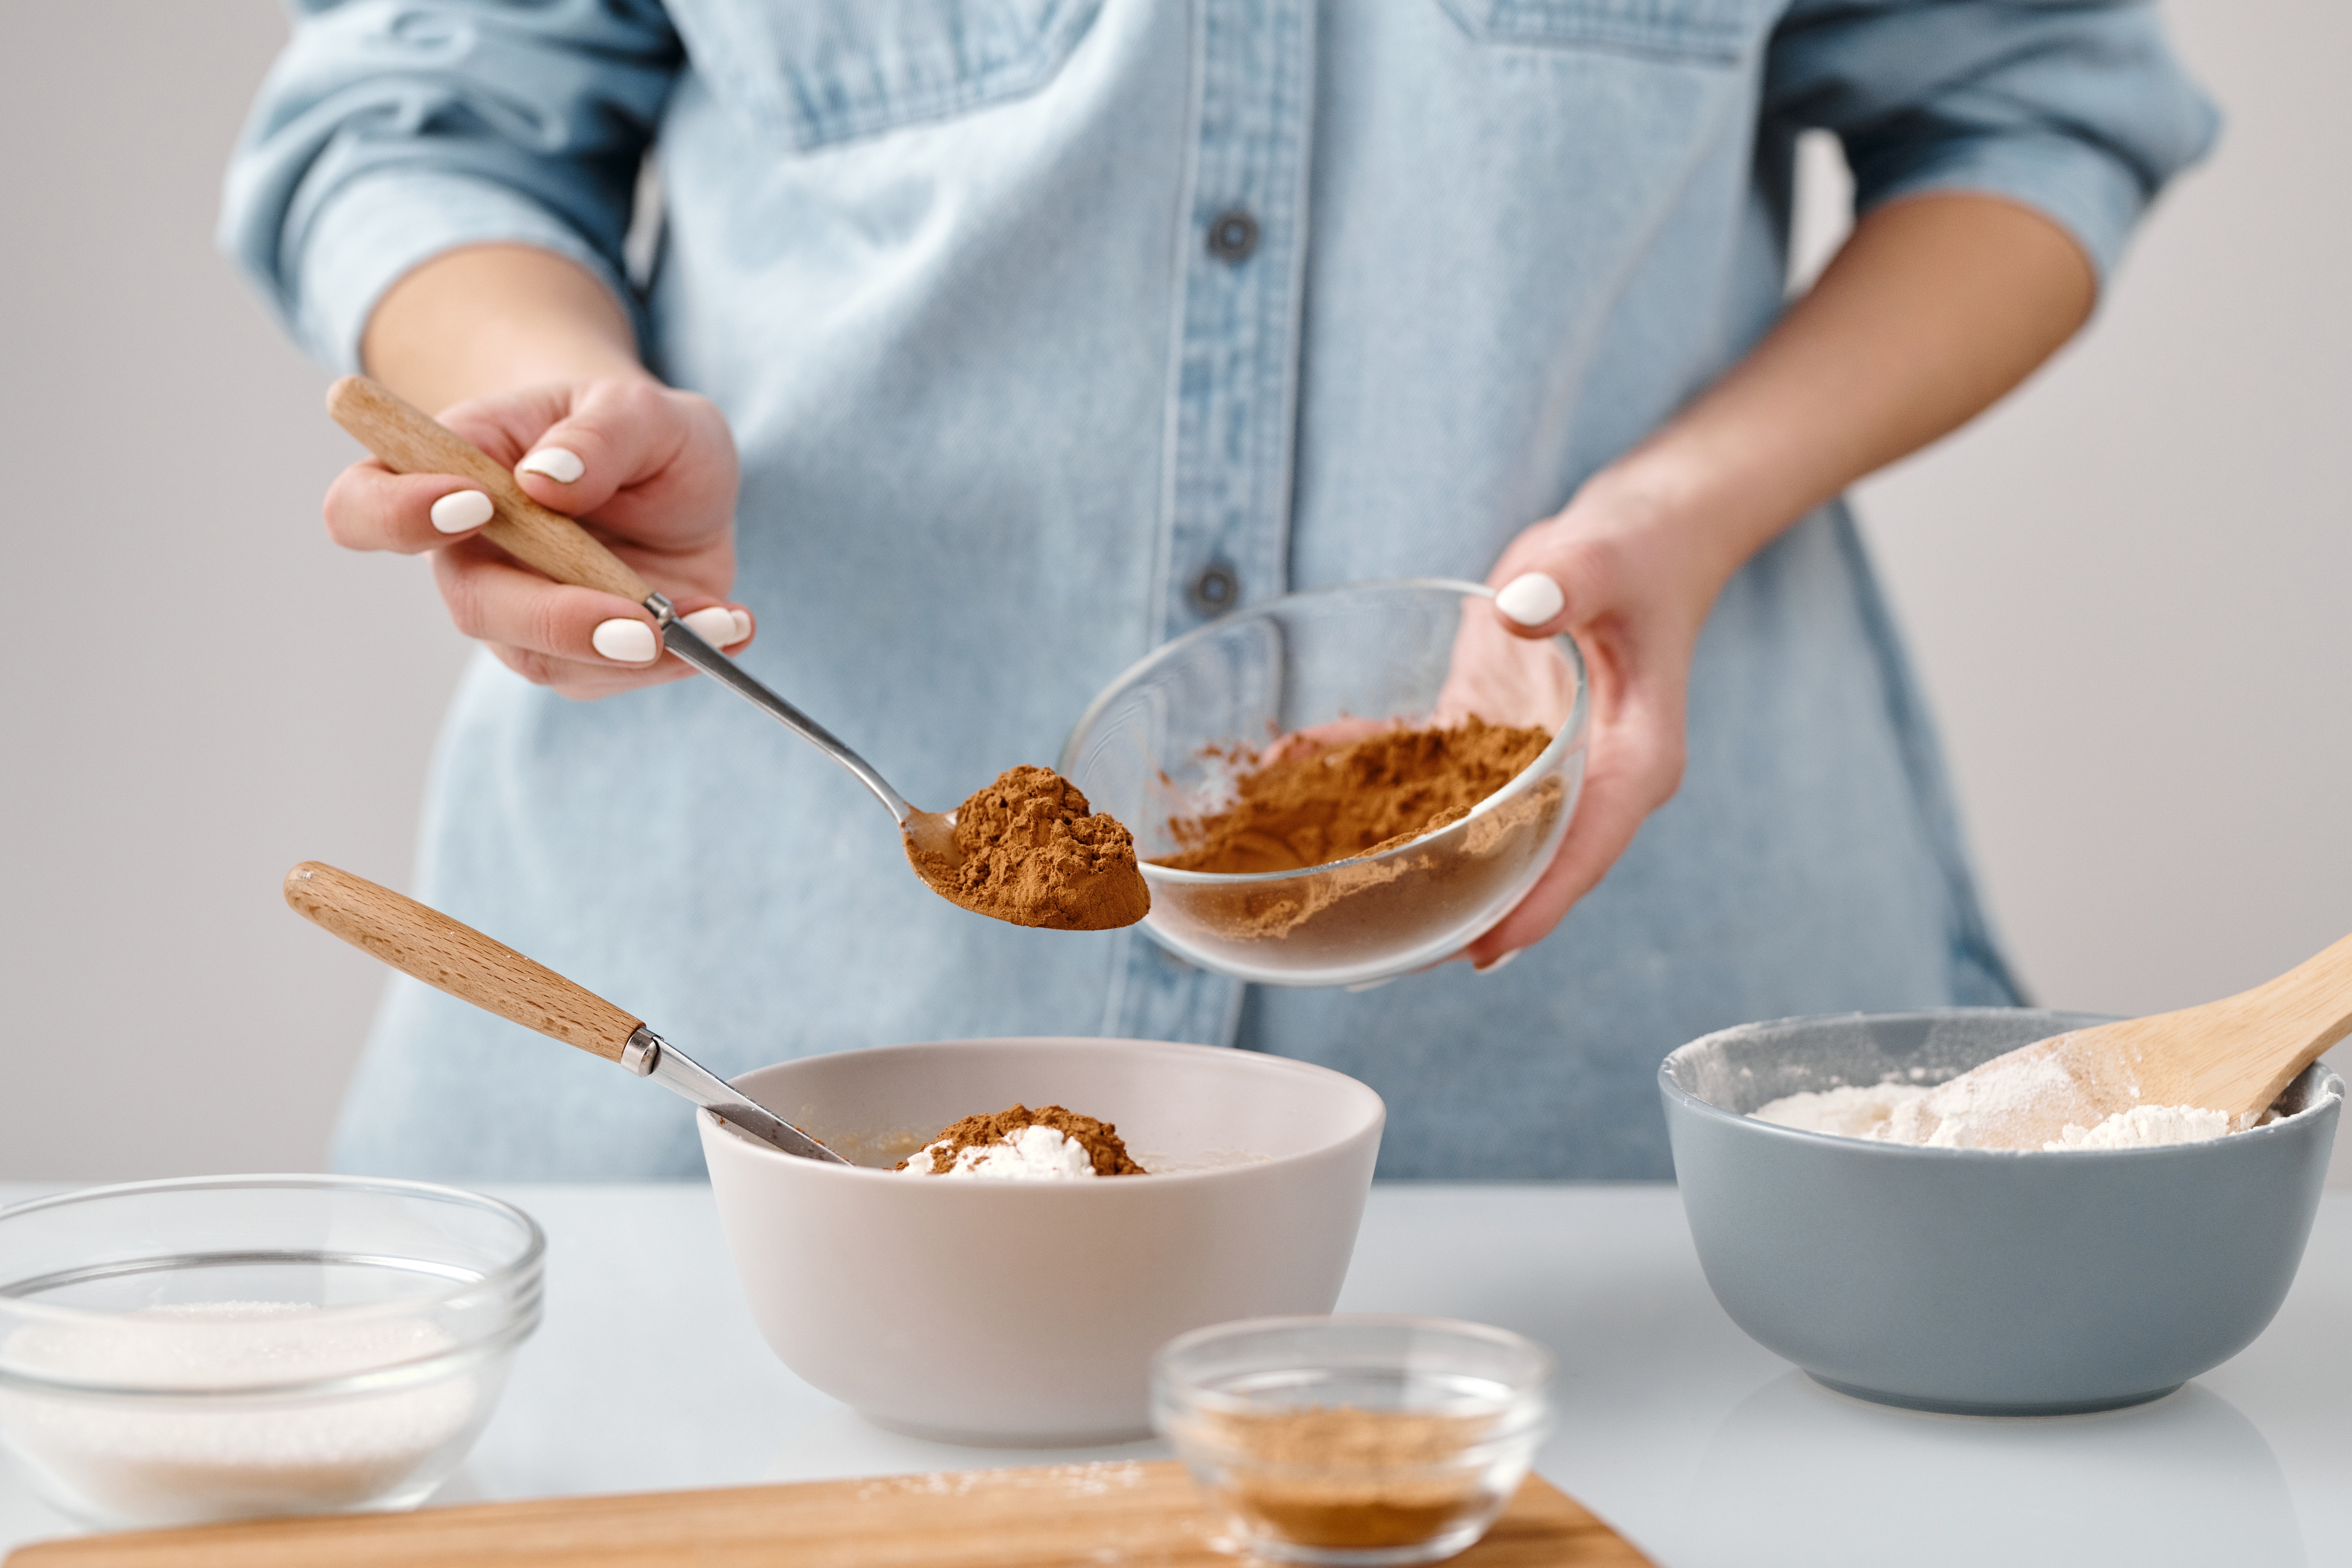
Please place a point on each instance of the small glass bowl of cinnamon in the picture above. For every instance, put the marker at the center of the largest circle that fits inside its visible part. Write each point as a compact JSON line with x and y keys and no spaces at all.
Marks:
{"x":1354,"y":1442}
{"x":1341,"y":786}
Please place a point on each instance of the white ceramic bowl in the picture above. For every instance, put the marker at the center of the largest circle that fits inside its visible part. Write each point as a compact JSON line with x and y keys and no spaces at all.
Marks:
{"x":1027,"y":1312}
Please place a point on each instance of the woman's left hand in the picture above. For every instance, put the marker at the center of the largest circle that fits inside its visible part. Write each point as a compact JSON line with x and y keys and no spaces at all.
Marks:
{"x":1621,"y":573}
{"x":1937,"y":305}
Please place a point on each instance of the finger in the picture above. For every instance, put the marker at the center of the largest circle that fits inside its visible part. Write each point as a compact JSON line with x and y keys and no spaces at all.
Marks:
{"x":1531,"y":601}
{"x":369,"y":507}
{"x":1330,"y":735}
{"x":586,"y":682}
{"x":616,"y":432}
{"x":1549,"y":579}
{"x":721,"y":626}
{"x":1635,"y":766}
{"x":493,"y":600}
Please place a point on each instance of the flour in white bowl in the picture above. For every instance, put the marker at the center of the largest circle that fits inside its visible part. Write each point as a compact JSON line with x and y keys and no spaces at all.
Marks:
{"x":1028,"y":1154}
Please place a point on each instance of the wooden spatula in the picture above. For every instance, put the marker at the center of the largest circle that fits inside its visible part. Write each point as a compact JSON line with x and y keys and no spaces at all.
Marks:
{"x":2234,"y":1055}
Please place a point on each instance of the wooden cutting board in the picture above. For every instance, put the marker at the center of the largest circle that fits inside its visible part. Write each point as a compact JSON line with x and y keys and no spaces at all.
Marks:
{"x":1055,"y":1516}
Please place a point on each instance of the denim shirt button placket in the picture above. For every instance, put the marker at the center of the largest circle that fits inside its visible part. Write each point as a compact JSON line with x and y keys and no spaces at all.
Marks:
{"x":1240,"y":291}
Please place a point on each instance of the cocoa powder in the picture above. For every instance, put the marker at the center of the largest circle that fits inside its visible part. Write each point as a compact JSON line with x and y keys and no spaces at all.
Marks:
{"x":1340,"y":1477}
{"x":1100,"y":1139}
{"x":1302,"y":805}
{"x":1030,"y":851}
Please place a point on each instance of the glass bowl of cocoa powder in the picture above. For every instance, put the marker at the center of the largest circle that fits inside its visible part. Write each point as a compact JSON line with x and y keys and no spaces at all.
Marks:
{"x":1355,"y":1441}
{"x":1339,"y":786}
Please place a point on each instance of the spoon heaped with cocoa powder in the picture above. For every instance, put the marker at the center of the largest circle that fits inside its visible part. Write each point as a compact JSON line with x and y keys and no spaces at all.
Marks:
{"x":1024,"y":849}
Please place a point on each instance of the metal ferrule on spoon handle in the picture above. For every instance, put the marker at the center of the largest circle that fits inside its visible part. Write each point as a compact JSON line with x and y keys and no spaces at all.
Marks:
{"x":649,"y":1056}
{"x":408,"y":440}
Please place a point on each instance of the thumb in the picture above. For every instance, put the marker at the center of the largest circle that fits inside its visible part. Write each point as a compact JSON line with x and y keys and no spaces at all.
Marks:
{"x":618,"y":433}
{"x":1532,"y":604}
{"x":1550,"y":580}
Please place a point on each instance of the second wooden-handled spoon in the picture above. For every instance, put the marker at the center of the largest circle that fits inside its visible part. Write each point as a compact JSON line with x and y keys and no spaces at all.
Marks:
{"x":408,"y":440}
{"x":2234,"y":1057}
{"x":420,"y":941}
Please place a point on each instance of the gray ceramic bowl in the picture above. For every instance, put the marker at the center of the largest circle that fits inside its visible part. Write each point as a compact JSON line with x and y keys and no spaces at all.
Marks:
{"x":1978,"y":1281}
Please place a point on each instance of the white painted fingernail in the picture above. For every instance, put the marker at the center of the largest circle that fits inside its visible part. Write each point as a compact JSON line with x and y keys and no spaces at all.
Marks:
{"x":558,"y":463}
{"x":626,"y":642}
{"x":742,"y":625}
{"x":461,"y":510}
{"x":1531,"y":598}
{"x":1492,"y":965}
{"x":715,"y":625}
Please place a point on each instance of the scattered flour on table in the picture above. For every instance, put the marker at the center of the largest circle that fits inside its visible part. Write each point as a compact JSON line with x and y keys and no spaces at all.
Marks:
{"x":137,"y":1458}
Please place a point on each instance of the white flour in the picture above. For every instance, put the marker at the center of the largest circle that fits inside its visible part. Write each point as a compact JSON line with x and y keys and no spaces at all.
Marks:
{"x":1850,"y":1110}
{"x":1030,"y":1154}
{"x":1975,"y":1109}
{"x":1958,"y":1114}
{"x":2146,"y":1127}
{"x":157,"y":1459}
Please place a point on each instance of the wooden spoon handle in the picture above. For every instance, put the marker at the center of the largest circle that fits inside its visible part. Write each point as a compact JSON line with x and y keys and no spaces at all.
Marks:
{"x":2290,"y":1023}
{"x":2236,"y":1054}
{"x":423,"y":941}
{"x":408,"y":440}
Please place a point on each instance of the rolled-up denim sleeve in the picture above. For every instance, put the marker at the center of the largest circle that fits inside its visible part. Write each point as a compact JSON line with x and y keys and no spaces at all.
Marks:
{"x":391,"y":131}
{"x":2073,"y":107}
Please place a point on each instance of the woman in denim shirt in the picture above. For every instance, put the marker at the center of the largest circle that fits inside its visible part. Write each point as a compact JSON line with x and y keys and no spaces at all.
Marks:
{"x":1046,"y":330}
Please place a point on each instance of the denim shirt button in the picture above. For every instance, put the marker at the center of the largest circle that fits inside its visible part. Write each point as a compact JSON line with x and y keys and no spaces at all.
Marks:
{"x":1215,"y":589}
{"x":1233,"y":237}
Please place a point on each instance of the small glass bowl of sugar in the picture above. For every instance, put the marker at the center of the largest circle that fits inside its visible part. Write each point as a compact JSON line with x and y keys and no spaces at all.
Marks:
{"x":184,"y":1352}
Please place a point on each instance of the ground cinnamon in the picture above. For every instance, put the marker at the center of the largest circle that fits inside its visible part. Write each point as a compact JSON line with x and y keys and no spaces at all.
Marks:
{"x":1343,"y":1476}
{"x":1029,"y":850}
{"x":1100,"y":1139}
{"x":1303,"y":805}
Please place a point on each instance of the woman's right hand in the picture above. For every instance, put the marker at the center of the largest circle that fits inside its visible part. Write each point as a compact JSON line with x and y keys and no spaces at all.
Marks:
{"x":649,"y":471}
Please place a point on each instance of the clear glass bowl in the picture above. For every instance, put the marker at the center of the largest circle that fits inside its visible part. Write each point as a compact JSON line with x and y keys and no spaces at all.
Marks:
{"x":1355,"y":1441}
{"x":176,"y":1352}
{"x":1157,"y":745}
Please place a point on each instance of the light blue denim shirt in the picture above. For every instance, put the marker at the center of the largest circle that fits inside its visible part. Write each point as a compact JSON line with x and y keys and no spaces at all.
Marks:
{"x":1044,"y":324}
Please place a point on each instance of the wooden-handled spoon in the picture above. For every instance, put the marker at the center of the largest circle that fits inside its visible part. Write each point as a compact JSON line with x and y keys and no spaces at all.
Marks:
{"x":2235,"y":1055}
{"x":420,"y":941}
{"x":408,"y":440}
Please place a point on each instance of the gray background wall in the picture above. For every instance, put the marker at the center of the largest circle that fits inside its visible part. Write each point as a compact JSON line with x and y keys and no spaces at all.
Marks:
{"x":2125,"y":589}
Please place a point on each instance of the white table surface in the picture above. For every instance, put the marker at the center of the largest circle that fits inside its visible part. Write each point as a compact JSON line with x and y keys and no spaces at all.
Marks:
{"x":1695,"y":1442}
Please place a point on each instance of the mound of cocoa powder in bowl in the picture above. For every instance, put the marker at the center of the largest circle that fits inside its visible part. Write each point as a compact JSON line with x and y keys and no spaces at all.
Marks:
{"x":1030,"y":850}
{"x":1306,"y":805}
{"x":1100,"y":1139}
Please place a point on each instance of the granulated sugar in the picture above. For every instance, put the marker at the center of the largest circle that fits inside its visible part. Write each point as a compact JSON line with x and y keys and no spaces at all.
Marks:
{"x":175,"y":1458}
